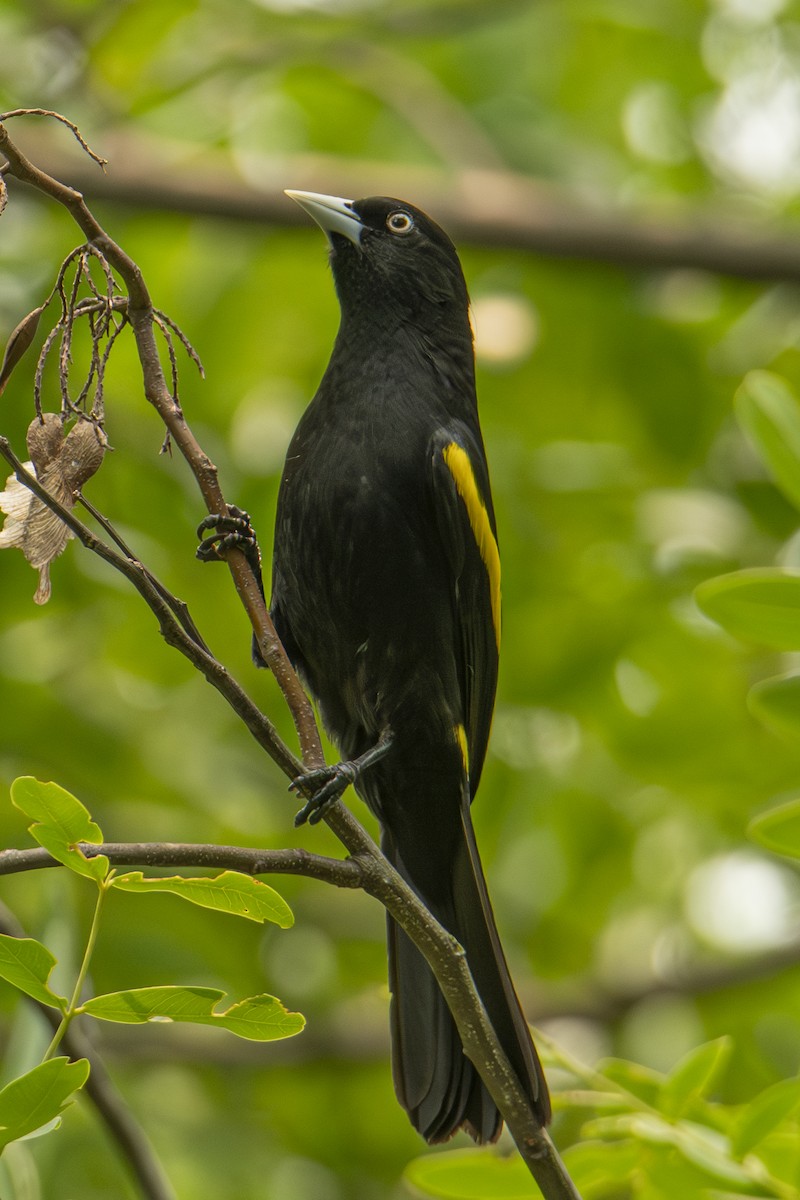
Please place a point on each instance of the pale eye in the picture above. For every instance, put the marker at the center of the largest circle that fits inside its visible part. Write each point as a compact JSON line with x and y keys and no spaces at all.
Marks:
{"x":399,"y":222}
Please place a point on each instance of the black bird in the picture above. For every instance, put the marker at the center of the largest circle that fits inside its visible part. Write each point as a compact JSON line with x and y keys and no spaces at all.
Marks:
{"x":386,"y":595}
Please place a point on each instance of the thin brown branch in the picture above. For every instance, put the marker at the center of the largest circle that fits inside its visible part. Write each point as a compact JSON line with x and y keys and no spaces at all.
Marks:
{"x":345,"y":873}
{"x":157,"y":392}
{"x":177,"y":606}
{"x":173,"y":632}
{"x":48,"y":112}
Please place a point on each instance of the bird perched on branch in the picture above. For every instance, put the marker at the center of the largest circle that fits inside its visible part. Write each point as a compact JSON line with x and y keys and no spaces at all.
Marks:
{"x":386,"y":596}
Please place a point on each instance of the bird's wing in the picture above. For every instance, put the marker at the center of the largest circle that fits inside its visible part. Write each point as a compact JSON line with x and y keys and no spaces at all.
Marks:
{"x":465,"y":519}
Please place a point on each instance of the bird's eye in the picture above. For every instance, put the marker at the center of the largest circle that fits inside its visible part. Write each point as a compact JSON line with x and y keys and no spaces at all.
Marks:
{"x":399,"y":222}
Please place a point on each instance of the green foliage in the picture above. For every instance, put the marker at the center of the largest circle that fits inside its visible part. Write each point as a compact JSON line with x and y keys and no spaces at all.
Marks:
{"x":776,"y":702}
{"x":471,"y":1175}
{"x":672,"y":1137}
{"x":260,"y":1018}
{"x":229,"y":892}
{"x":61,"y":822}
{"x":764,"y":605}
{"x":761,"y":604}
{"x":769,"y":413}
{"x":773,"y":1107}
{"x":34,"y":1102}
{"x":27,"y":964}
{"x":695,"y":1075}
{"x":778,"y":829}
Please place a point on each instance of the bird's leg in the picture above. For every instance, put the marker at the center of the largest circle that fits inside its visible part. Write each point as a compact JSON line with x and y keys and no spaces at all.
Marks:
{"x":233,"y":531}
{"x":330,"y":782}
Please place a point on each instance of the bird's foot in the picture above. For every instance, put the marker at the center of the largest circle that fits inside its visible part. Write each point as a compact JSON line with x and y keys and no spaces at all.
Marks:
{"x":328,"y":784}
{"x":233,"y":531}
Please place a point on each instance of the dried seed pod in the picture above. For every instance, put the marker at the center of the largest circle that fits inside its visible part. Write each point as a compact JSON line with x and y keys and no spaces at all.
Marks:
{"x":62,"y":465}
{"x":83,"y":453}
{"x":45,"y":438}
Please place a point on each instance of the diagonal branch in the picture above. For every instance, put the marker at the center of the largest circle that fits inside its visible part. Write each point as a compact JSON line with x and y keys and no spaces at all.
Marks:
{"x":173,"y":632}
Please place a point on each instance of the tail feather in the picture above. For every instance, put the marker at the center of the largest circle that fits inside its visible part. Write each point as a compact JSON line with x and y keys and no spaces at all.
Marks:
{"x":492,"y":977}
{"x":435,"y":1081}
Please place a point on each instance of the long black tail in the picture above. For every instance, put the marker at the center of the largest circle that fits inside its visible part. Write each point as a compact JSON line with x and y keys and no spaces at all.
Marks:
{"x":435,"y":1081}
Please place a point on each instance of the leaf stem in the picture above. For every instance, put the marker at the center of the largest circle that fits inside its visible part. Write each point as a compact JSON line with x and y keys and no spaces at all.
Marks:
{"x":73,"y":1006}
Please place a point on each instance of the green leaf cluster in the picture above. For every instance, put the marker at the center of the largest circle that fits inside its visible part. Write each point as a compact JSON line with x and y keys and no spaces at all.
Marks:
{"x":33,"y":1102}
{"x":763,"y":604}
{"x":645,"y":1134}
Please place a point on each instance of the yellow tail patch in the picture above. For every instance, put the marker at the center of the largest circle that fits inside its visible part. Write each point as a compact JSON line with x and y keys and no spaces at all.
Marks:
{"x":458,"y":464}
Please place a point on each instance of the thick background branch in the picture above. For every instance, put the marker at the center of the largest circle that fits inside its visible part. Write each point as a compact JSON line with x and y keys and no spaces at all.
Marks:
{"x":481,"y":207}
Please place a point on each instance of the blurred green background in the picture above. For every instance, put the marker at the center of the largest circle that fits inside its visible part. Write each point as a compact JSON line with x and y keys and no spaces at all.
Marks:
{"x":624,"y":765}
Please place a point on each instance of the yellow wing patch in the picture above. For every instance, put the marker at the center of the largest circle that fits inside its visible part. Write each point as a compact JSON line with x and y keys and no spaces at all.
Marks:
{"x":458,"y":464}
{"x":463,"y":745}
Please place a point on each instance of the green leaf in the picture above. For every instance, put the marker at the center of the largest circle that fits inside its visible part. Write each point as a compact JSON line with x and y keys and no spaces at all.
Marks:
{"x":761,"y":604}
{"x":710,"y":1151}
{"x":27,"y":964}
{"x":595,"y":1166}
{"x":778,"y":829}
{"x":776,"y":702}
{"x":61,"y":823}
{"x":259,"y":1018}
{"x":698,"y":1144}
{"x":229,"y":892}
{"x":39,"y":1097}
{"x":694,"y":1075}
{"x":642,"y":1082}
{"x":769,"y":413}
{"x":471,"y":1175}
{"x":764,"y":1114}
{"x":715,"y":1194}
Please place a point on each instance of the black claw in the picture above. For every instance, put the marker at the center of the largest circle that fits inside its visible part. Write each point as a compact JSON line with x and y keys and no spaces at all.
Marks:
{"x":329,"y":783}
{"x":232,"y":531}
{"x":303,"y":815}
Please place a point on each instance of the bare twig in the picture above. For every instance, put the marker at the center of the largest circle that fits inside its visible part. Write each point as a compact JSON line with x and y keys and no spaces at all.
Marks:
{"x":48,"y":112}
{"x":178,"y":607}
{"x":173,"y":632}
{"x":345,"y":873}
{"x":141,"y":317}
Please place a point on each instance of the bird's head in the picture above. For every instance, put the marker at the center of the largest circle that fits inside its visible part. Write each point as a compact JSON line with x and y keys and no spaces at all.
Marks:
{"x":389,"y":256}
